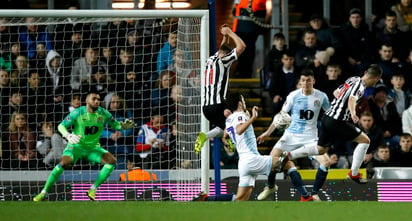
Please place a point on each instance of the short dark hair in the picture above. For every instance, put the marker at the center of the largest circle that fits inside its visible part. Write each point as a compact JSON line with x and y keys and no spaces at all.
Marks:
{"x":307,"y":72}
{"x":233,"y":100}
{"x":226,"y":48}
{"x":279,"y":35}
{"x":374,"y":70}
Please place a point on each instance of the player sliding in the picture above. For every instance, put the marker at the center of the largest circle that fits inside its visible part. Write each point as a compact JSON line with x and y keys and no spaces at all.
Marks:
{"x":304,"y":104}
{"x":88,"y":122}
{"x":251,"y":163}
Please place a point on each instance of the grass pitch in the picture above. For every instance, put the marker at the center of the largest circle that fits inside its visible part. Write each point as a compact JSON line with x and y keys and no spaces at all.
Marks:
{"x":198,"y":211}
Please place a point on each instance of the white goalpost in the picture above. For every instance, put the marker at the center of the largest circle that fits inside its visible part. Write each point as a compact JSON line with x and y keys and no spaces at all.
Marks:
{"x":125,"y":45}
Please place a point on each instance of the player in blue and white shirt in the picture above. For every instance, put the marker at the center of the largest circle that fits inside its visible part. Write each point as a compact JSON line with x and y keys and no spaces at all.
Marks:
{"x":251,"y":163}
{"x":304,"y":106}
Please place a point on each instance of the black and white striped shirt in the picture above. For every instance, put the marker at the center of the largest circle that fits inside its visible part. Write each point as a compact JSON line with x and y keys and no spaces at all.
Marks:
{"x":353,"y":87}
{"x":216,"y":77}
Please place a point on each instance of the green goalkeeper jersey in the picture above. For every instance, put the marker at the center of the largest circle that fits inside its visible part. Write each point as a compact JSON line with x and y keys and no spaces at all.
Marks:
{"x":88,"y":125}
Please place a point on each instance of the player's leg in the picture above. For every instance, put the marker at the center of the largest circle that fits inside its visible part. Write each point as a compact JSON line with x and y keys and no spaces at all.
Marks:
{"x":321,"y":174}
{"x":104,"y":157}
{"x":243,"y":193}
{"x":297,"y":181}
{"x":57,"y":171}
{"x":215,"y":114}
{"x":270,"y":186}
{"x":358,"y":156}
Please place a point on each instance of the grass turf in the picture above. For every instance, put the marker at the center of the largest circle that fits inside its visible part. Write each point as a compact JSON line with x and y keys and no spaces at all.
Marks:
{"x":197,"y":211}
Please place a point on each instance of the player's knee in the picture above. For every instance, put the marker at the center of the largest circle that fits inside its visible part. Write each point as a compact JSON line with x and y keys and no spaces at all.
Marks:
{"x":322,"y":150}
{"x":288,"y":165}
{"x":108,"y":158}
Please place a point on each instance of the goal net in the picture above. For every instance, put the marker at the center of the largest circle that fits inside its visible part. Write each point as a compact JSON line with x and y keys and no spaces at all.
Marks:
{"x":145,"y":65}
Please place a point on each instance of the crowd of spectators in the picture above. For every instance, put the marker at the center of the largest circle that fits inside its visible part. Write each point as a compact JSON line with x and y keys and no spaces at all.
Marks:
{"x":45,"y":71}
{"x":337,"y":53}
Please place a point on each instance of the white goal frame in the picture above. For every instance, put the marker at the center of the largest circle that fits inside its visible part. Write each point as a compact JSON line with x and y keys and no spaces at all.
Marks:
{"x":204,"y":54}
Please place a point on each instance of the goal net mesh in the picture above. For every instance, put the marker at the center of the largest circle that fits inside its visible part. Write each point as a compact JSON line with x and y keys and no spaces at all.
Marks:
{"x":145,"y":69}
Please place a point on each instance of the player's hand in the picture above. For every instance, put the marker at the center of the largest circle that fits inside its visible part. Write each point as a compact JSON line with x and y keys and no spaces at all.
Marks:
{"x":73,"y":138}
{"x":255,"y":113}
{"x":261,"y":139}
{"x":355,"y":118}
{"x":127,"y":124}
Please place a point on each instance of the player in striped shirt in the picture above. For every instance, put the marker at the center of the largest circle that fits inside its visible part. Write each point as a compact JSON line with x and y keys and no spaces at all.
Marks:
{"x":216,"y":79}
{"x":335,"y":121}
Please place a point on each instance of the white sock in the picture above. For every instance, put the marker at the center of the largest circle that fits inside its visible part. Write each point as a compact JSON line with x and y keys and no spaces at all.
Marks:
{"x":215,"y":132}
{"x":305,"y":151}
{"x":358,"y":156}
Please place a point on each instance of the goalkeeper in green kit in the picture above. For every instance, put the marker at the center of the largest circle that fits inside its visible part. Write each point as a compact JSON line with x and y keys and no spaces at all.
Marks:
{"x":87,"y":122}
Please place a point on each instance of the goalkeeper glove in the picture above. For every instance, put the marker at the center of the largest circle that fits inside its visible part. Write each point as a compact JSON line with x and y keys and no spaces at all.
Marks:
{"x":73,"y":138}
{"x":127,"y":124}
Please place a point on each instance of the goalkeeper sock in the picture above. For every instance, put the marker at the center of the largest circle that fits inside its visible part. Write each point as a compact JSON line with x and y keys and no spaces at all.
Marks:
{"x":53,"y":177}
{"x":223,"y":197}
{"x":103,"y":175}
{"x":320,"y":178}
{"x":297,"y":182}
{"x":271,"y":179}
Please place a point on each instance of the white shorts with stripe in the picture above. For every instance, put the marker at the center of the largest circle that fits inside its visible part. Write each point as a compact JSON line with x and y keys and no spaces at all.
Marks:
{"x":290,"y":141}
{"x":252,"y":165}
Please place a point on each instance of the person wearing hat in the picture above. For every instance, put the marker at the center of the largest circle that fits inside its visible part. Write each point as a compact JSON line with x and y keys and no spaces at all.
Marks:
{"x":357,"y":43}
{"x":385,"y":114}
{"x":324,"y":34}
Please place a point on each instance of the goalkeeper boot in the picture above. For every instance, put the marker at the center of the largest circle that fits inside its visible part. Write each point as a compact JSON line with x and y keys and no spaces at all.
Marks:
{"x":283,"y":159}
{"x":357,"y":179}
{"x":266,"y":192}
{"x":39,"y":197}
{"x":91,"y":194}
{"x":230,"y":145}
{"x":200,"y":140}
{"x":200,"y":197}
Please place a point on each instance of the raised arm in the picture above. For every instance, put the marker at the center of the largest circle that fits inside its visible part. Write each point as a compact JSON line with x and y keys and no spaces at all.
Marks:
{"x":228,"y":33}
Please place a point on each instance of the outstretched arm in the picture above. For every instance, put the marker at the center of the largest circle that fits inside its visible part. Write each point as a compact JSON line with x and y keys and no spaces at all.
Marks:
{"x":227,"y":32}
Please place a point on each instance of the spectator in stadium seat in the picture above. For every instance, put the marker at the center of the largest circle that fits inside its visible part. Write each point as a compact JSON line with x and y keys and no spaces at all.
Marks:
{"x":73,"y":48}
{"x":283,"y":81}
{"x":402,"y":98}
{"x":392,"y":35}
{"x":125,"y":64}
{"x":306,"y":53}
{"x":118,"y":142}
{"x":51,"y":145}
{"x":22,"y":143}
{"x":385,"y":115}
{"x":100,"y":82}
{"x":357,"y":42}
{"x":8,"y":35}
{"x":20,"y":71}
{"x":115,"y":32}
{"x":107,"y":55}
{"x":32,"y":34}
{"x":4,"y":87}
{"x":403,"y":10}
{"x":325,"y":35}
{"x":165,"y":56}
{"x":136,"y":96}
{"x":39,"y":61}
{"x":389,"y":64}
{"x":15,"y":104}
{"x":331,"y":80}
{"x":407,"y":71}
{"x":58,"y":86}
{"x":82,"y":69}
{"x":36,"y":99}
{"x":402,"y":155}
{"x":381,"y":158}
{"x":160,"y":96}
{"x":152,"y":141}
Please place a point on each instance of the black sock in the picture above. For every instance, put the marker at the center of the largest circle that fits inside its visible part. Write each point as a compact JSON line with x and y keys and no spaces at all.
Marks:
{"x":298,"y":183}
{"x":320,"y":180}
{"x":271,"y":179}
{"x":222,"y":197}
